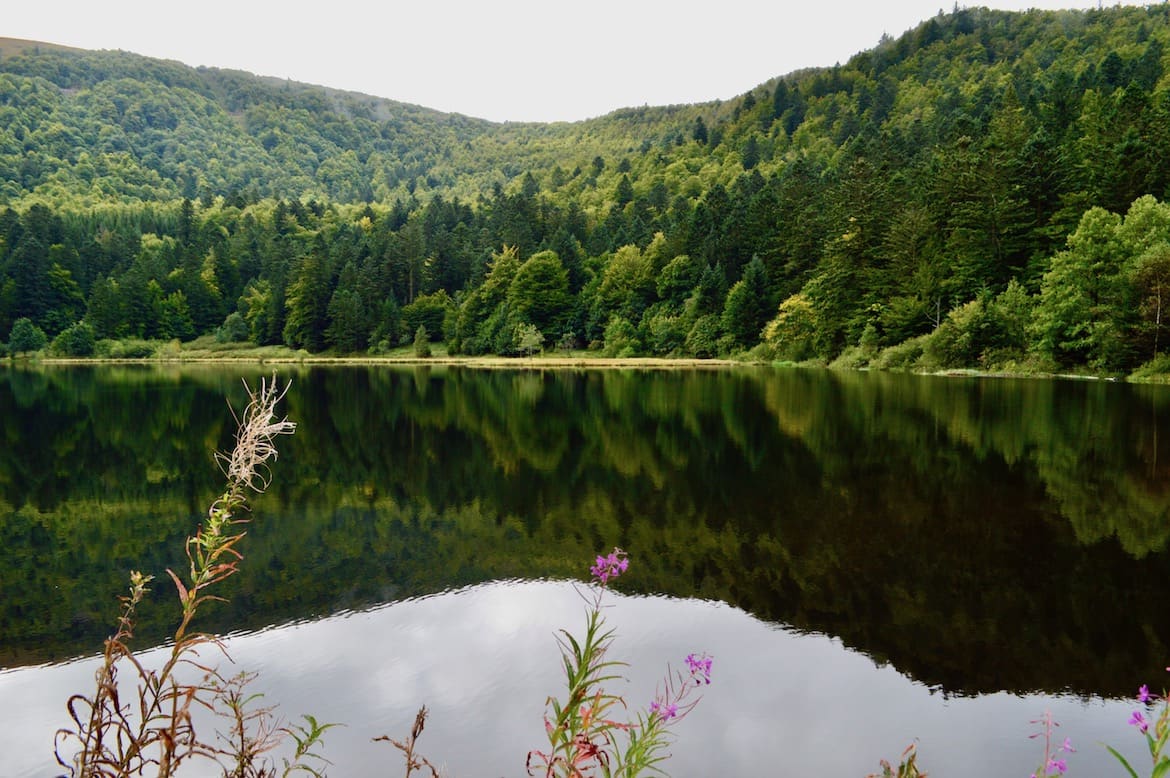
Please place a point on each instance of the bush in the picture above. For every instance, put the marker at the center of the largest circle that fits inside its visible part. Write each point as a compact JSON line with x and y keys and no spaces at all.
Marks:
{"x":26,"y":336}
{"x":430,"y":311}
{"x":381,"y":347}
{"x":233,"y":330}
{"x":904,"y":356}
{"x":665,"y":334}
{"x":1157,"y":369}
{"x":422,"y":344}
{"x":125,"y":349}
{"x":621,"y":339}
{"x":77,"y":340}
{"x":852,"y":358}
{"x":961,"y":338}
{"x":703,"y":339}
{"x":528,"y":340}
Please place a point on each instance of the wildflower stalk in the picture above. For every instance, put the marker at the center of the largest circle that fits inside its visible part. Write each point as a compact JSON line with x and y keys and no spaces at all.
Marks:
{"x":907,"y":766}
{"x":583,"y":736}
{"x":413,"y":761}
{"x":156,"y":730}
{"x":1053,"y":764}
{"x":1156,"y":733}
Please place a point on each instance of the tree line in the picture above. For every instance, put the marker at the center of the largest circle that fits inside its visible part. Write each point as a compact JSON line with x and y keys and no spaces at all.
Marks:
{"x":984,"y":191}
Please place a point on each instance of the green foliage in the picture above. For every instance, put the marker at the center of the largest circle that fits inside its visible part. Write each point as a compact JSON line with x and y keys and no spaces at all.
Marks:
{"x":233,"y":330}
{"x":422,"y":342}
{"x":979,"y":149}
{"x":129,"y":348}
{"x":621,"y":338}
{"x":429,"y":312}
{"x":791,"y":333}
{"x":903,"y":356}
{"x":703,"y":338}
{"x":962,"y":338}
{"x":527,"y":340}
{"x":76,"y":340}
{"x":348,"y":328}
{"x":26,"y":337}
{"x":747,"y":307}
{"x":666,"y":334}
{"x":539,"y":292}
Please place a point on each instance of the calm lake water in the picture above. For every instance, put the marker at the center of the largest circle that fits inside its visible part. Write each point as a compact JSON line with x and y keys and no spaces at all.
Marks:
{"x":872,"y":559}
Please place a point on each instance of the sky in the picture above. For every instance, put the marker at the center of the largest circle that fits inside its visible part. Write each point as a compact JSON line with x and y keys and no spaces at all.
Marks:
{"x":503,"y":60}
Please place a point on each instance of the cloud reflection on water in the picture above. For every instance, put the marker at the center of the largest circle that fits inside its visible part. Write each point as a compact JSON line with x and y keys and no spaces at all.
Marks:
{"x":484,"y":659}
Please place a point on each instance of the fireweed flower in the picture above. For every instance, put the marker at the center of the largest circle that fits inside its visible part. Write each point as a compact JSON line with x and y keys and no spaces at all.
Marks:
{"x":1144,"y":693}
{"x":611,"y":566}
{"x":665,"y":712}
{"x":1139,"y":721}
{"x":1057,"y":765}
{"x":699,"y":666}
{"x":1066,"y":746}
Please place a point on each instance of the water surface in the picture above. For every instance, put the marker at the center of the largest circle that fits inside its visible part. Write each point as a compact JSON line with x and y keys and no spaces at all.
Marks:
{"x":871,"y":558}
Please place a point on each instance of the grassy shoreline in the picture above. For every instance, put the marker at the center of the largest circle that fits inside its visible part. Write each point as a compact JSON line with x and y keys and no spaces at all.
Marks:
{"x":206,"y":351}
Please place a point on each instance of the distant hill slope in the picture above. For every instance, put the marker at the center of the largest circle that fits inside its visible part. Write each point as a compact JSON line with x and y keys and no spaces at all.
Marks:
{"x":98,"y":124}
{"x":92,"y":126}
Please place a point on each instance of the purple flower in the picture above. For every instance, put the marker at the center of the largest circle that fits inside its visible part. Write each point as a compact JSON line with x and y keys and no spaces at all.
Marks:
{"x":1144,"y":693}
{"x":610,"y":566}
{"x":664,"y":712}
{"x":1066,"y":746}
{"x":1059,"y":765}
{"x":1139,"y":721}
{"x":699,"y":666}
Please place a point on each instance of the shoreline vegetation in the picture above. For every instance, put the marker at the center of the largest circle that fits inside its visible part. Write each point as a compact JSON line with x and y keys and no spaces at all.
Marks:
{"x":205,"y":350}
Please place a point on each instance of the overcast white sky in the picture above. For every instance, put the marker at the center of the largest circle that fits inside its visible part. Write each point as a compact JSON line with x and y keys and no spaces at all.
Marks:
{"x":505,"y":60}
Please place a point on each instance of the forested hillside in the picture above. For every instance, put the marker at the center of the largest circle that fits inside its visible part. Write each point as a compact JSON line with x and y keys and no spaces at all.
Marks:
{"x":983,"y":191}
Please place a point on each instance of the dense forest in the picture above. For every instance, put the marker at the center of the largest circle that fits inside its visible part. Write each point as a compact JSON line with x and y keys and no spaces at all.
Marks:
{"x":986,"y":190}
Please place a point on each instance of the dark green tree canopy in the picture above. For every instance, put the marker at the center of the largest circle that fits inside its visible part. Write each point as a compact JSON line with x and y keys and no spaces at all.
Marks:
{"x":984,"y":168}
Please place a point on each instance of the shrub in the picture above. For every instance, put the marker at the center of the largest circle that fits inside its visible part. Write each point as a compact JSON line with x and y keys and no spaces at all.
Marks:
{"x":233,"y":330}
{"x":703,"y":338}
{"x":26,"y":336}
{"x":1157,"y":369}
{"x":904,"y":356}
{"x":852,"y":358}
{"x":77,"y":340}
{"x":430,"y":311}
{"x":422,"y":343}
{"x":793,"y":330}
{"x":665,"y":334}
{"x":132,"y":348}
{"x":527,"y":340}
{"x":621,"y":339}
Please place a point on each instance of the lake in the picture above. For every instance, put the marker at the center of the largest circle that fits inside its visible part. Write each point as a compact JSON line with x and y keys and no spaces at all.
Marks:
{"x":872,"y":559}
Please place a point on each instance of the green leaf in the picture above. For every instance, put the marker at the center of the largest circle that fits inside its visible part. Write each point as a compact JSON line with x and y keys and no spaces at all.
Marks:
{"x":1124,"y":763}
